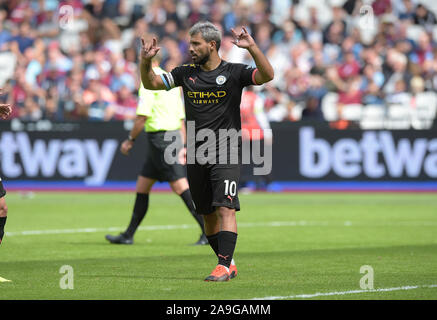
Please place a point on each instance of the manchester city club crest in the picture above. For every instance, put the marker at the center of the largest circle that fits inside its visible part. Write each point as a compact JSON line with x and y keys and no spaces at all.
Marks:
{"x":220,"y":80}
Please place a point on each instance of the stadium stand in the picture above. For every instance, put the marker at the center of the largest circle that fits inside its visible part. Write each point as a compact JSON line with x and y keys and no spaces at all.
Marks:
{"x":333,"y":61}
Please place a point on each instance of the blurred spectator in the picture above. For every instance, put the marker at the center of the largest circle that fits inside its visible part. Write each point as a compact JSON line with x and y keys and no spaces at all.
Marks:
{"x":372,"y":94}
{"x":424,"y":17}
{"x":406,"y":10}
{"x":22,"y":40}
{"x":350,"y":93}
{"x":399,"y":95}
{"x":350,"y":67}
{"x":396,"y":70}
{"x":423,"y":53}
{"x":126,"y":104}
{"x":316,"y":91}
{"x":288,"y":37}
{"x":5,"y":35}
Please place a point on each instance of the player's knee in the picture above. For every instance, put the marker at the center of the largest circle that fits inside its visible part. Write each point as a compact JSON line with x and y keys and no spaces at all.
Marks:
{"x":210,"y":218}
{"x":144,"y":185}
{"x":225,"y":212}
{"x":179,"y":186}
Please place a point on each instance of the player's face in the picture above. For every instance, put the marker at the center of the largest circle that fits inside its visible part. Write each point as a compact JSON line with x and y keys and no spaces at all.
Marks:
{"x":200,"y":50}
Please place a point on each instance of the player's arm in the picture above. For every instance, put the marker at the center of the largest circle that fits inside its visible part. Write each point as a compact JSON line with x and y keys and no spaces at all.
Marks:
{"x":183,"y":132}
{"x":149,"y":79}
{"x":133,"y":134}
{"x":265,"y":70}
{"x":5,"y":109}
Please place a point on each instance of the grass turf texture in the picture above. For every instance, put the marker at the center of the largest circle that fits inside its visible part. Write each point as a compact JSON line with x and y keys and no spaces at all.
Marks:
{"x":288,"y":244}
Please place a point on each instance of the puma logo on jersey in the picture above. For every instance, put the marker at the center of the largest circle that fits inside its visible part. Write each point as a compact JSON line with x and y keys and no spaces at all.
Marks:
{"x":229,"y":197}
{"x":194,"y":80}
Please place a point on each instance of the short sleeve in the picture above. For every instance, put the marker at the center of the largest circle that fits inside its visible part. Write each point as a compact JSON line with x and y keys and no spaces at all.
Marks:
{"x":144,"y":102}
{"x":179,"y":104}
{"x":247,"y":75}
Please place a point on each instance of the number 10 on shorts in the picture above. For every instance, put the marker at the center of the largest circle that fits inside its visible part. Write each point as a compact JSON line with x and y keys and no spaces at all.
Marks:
{"x":230,"y":188}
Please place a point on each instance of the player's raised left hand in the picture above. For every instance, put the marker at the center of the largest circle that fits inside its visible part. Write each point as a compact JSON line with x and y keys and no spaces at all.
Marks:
{"x":242,"y":39}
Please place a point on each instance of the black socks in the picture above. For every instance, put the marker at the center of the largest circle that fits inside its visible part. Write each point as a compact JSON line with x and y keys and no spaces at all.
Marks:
{"x":186,"y":197}
{"x":140,"y":210}
{"x":2,"y":227}
{"x":223,"y":244}
{"x":142,"y":204}
{"x":213,"y":242}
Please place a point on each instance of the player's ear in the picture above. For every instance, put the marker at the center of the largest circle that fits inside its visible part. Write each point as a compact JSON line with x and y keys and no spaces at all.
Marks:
{"x":213,"y":45}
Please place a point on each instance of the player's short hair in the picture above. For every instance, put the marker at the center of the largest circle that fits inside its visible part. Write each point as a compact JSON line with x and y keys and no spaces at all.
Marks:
{"x":208,"y":31}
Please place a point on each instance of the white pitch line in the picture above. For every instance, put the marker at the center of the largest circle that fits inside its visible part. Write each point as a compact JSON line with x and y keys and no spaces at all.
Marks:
{"x":300,"y":223}
{"x":341,"y":293}
{"x":94,"y":230}
{"x":173,"y":227}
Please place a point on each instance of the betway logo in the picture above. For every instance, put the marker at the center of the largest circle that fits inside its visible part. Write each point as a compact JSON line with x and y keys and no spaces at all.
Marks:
{"x":71,"y":158}
{"x":375,"y":155}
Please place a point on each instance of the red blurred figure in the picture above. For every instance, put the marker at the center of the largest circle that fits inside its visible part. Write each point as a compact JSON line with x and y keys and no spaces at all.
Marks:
{"x":254,"y":123}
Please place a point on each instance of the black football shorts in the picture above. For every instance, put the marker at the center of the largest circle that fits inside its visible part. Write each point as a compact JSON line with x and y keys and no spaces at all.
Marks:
{"x":214,"y":185}
{"x":155,"y":166}
{"x":2,"y":190}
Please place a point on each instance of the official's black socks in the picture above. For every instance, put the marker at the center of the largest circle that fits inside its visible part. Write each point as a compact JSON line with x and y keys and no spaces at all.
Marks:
{"x":188,"y":200}
{"x":140,"y":210}
{"x":226,"y":246}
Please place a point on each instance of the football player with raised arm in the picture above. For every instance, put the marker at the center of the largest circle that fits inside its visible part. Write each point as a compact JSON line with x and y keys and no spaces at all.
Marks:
{"x":212,"y":94}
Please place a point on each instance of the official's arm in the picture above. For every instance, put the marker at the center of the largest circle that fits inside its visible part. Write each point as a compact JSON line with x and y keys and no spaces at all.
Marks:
{"x":134,"y":133}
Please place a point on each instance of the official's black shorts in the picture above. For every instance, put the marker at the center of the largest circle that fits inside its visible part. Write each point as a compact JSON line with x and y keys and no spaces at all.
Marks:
{"x":2,"y":190}
{"x":155,"y":165}
{"x":214,"y":185}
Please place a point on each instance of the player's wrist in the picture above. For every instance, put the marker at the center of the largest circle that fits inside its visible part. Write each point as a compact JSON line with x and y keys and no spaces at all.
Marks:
{"x":252,"y":47}
{"x":131,"y":139}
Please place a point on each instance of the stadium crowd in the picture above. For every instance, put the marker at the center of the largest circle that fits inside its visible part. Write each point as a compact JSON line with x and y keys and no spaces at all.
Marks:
{"x":72,"y":59}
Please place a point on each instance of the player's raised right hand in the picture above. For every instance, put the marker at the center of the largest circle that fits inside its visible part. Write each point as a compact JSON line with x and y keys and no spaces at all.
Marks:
{"x":149,"y":49}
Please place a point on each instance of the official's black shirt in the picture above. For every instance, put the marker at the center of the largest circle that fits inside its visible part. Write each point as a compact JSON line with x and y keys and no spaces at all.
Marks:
{"x":212,"y":98}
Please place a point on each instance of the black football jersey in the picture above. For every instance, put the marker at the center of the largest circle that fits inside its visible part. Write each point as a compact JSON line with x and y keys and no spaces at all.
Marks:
{"x":212,"y":98}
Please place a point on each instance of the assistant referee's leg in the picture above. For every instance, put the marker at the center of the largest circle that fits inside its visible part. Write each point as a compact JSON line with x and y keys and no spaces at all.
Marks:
{"x":3,"y":215}
{"x":181,"y":188}
{"x":143,"y":188}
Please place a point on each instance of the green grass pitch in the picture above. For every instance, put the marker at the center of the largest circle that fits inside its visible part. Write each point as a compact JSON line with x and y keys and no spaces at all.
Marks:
{"x":290,"y":246}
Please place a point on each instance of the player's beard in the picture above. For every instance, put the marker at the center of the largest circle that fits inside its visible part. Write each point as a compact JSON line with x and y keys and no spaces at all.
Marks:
{"x":203,"y":59}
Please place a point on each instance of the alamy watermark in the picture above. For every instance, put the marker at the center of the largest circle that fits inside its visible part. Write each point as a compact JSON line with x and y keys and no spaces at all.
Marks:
{"x":367,"y":18}
{"x":67,"y":280}
{"x":366,"y":281}
{"x":66,"y":17}
{"x":205,"y":146}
